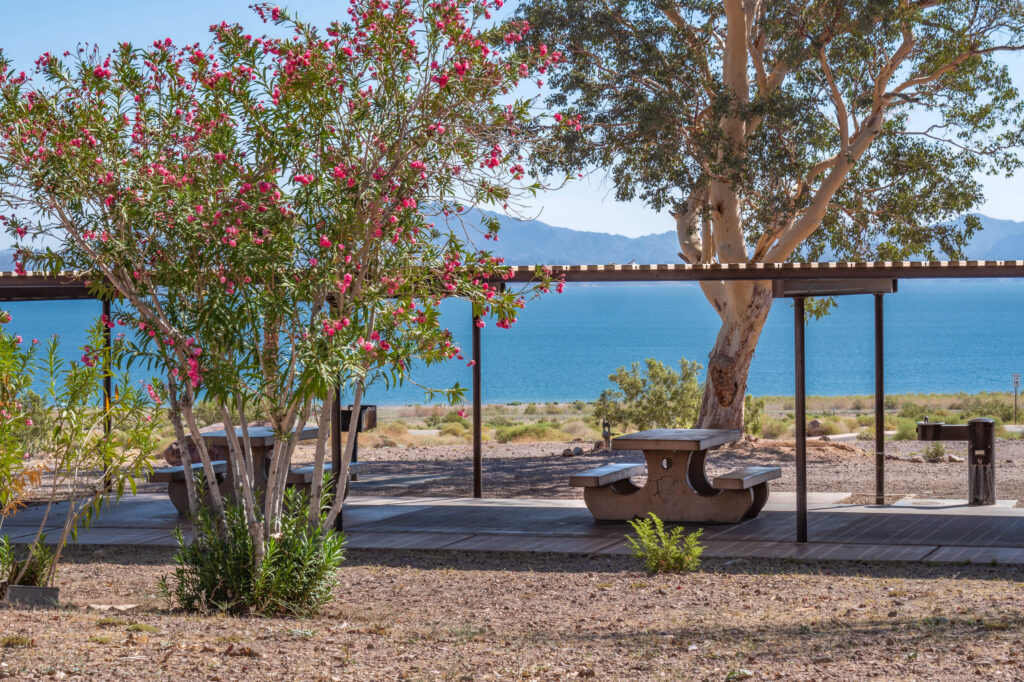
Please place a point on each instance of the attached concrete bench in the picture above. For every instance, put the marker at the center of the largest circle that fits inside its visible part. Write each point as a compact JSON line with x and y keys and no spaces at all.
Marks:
{"x":302,"y":477}
{"x":607,"y":474}
{"x":747,"y":477}
{"x":174,"y":477}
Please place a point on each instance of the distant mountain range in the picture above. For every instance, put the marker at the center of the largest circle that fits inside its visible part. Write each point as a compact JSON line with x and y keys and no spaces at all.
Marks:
{"x":532,"y":242}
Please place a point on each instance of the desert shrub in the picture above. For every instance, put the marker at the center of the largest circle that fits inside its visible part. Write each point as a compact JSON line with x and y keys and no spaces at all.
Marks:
{"x":906,"y":429}
{"x":651,"y":397}
{"x":935,"y":452}
{"x":220,"y":572}
{"x":499,"y":421}
{"x":990,"y":405}
{"x":453,"y":429}
{"x":536,"y":432}
{"x":865,"y":420}
{"x":432,"y":421}
{"x":774,"y":428}
{"x":455,"y":418}
{"x":753,"y":412}
{"x":578,"y":405}
{"x":531,"y":409}
{"x":857,"y":404}
{"x":660,"y":550}
{"x":579,"y":429}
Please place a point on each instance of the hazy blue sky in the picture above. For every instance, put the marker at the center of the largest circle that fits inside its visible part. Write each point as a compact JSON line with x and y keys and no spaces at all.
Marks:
{"x":31,"y":28}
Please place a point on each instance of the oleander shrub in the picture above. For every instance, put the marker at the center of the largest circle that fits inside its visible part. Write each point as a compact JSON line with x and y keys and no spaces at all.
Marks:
{"x":665,"y":551}
{"x":220,"y":572}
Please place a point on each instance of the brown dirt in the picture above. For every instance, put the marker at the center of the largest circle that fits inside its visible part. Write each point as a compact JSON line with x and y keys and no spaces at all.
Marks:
{"x":460,"y":616}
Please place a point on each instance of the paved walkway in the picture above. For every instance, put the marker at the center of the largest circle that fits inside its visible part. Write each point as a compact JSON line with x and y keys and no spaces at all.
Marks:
{"x":927,"y":530}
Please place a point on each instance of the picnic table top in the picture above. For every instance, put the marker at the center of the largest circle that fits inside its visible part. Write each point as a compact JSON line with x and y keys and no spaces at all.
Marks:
{"x":259,"y":436}
{"x":676,"y":439}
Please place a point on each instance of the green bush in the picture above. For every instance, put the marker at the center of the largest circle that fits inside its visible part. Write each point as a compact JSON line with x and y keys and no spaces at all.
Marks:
{"x":991,"y":405}
{"x":538,"y":431}
{"x":453,"y":429}
{"x":660,"y":550}
{"x":652,"y":397}
{"x":455,"y":418}
{"x":531,"y":408}
{"x":499,"y":421}
{"x":906,"y":429}
{"x":294,"y":578}
{"x":753,"y":412}
{"x":774,"y":428}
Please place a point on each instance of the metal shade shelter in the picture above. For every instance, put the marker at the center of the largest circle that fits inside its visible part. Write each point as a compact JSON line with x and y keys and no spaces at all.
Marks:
{"x":799,"y":290}
{"x":790,"y":280}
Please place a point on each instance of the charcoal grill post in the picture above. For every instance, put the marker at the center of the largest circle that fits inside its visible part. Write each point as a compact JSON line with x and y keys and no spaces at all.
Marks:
{"x":981,"y":457}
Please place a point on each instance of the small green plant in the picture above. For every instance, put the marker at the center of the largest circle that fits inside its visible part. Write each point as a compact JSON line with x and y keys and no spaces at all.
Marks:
{"x":143,"y":627}
{"x":660,"y":550}
{"x":935,"y":452}
{"x":16,"y":642}
{"x":34,"y":569}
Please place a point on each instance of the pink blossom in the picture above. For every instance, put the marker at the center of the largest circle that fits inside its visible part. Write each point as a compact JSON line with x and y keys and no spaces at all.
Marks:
{"x":325,"y":243}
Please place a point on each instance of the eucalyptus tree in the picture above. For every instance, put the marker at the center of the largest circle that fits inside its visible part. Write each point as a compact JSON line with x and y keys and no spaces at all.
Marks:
{"x":776,"y":131}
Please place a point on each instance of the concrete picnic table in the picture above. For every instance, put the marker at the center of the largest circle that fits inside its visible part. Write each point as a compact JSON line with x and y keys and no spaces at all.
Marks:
{"x":261,"y":440}
{"x":677,"y":488}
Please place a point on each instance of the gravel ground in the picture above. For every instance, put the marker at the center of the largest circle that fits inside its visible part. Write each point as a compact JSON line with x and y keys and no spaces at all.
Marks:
{"x":540,"y":470}
{"x":459,"y":616}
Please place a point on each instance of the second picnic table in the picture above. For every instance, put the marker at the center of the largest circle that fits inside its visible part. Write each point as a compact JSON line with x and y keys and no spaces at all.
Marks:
{"x":677,"y":488}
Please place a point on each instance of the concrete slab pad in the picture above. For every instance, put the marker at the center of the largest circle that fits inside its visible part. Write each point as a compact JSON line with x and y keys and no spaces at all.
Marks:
{"x":533,"y":543}
{"x":977,"y":555}
{"x":932,"y":503}
{"x":363,"y":540}
{"x":356,"y":515}
{"x":785,"y":500}
{"x":367,"y":482}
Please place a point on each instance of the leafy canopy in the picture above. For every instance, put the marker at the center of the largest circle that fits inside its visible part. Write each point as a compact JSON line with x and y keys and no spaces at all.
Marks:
{"x":794,"y":128}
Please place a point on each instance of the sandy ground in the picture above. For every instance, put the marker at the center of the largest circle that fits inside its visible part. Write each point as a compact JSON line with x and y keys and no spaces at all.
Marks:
{"x":457,"y":616}
{"x":540,"y":470}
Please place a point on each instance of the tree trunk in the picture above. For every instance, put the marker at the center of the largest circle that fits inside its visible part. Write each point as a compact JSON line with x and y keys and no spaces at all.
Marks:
{"x":743,"y":319}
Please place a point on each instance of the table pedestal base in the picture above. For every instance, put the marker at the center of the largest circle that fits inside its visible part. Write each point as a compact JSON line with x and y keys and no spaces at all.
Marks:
{"x":677,"y":491}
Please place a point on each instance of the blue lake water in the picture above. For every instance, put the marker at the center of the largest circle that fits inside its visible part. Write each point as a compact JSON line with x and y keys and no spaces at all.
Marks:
{"x":941,"y":336}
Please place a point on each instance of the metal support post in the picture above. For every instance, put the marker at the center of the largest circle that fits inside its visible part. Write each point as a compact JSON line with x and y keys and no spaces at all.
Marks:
{"x":801,"y":421}
{"x":336,"y":451}
{"x":477,"y":424}
{"x":879,"y":403}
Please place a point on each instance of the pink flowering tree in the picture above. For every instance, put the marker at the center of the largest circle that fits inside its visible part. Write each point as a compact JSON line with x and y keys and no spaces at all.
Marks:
{"x":281,"y":216}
